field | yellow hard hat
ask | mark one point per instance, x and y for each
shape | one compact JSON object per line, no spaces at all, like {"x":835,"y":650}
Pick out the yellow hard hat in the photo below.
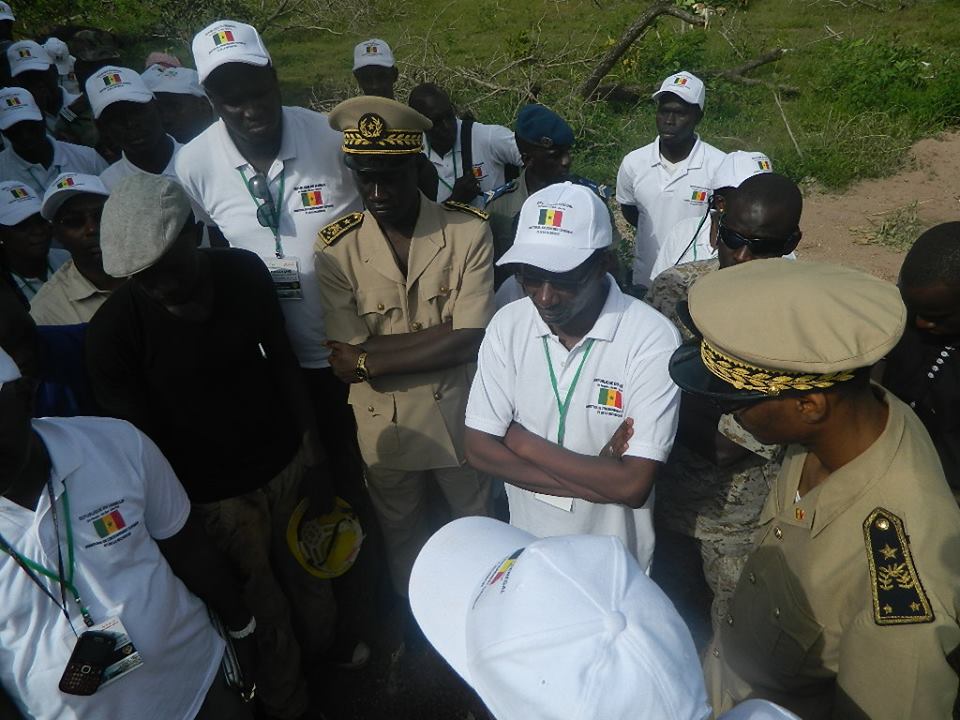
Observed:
{"x":325,"y":546}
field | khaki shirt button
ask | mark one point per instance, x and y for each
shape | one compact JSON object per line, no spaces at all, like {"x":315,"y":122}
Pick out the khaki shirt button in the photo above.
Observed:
{"x":379,"y":306}
{"x":437,"y":396}
{"x":776,"y":612}
{"x":444,"y":289}
{"x":417,"y":326}
{"x":369,"y":408}
{"x":778,"y":533}
{"x":716,"y":652}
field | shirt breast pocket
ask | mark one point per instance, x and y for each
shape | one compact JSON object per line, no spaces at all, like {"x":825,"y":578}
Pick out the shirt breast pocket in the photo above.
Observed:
{"x":774,"y":631}
{"x":380,"y":309}
{"x":437,"y":294}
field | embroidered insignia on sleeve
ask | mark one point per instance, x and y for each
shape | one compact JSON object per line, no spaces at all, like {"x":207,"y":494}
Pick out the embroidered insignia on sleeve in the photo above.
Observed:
{"x":338,"y":228}
{"x":504,"y":189}
{"x":898,"y":596}
{"x":464,"y":207}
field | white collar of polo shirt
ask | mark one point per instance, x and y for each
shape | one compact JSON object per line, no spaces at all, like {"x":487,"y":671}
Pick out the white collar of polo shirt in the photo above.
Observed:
{"x":693,"y":160}
{"x":605,"y":327}
{"x":287,"y":151}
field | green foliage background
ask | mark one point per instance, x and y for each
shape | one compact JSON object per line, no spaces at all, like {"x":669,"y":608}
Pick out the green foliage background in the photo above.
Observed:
{"x":873,"y":77}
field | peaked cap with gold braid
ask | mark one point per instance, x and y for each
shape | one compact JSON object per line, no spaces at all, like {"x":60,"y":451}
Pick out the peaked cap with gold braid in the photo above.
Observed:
{"x":773,"y":326}
{"x":379,"y":126}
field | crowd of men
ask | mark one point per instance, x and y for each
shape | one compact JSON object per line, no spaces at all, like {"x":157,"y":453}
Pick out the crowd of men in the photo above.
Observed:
{"x":253,"y":356}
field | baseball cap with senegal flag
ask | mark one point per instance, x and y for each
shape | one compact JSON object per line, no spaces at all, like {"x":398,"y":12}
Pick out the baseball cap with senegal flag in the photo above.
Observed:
{"x":115,"y":84}
{"x":17,"y":203}
{"x":228,"y":41}
{"x":6,"y":12}
{"x":17,"y":105}
{"x":559,"y":228}
{"x":686,"y":86}
{"x":66,"y":185}
{"x":27,"y":55}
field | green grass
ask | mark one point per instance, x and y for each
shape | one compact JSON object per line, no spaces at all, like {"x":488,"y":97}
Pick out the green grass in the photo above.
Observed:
{"x":869,"y":86}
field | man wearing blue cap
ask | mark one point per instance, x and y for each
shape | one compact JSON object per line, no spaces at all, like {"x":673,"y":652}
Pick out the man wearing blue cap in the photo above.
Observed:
{"x":545,"y":141}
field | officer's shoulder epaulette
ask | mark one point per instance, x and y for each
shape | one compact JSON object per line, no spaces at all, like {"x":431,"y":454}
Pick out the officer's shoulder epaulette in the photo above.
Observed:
{"x":339,"y":227}
{"x":504,"y":189}
{"x":898,"y":595}
{"x":601,"y":191}
{"x":466,"y":208}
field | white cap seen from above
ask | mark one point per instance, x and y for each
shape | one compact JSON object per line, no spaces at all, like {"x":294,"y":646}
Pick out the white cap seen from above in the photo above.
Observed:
{"x":739,"y":165}
{"x":113,"y":84}
{"x":16,"y":105}
{"x":373,"y":52}
{"x":559,"y":228}
{"x":175,"y":80}
{"x":559,"y":628}
{"x":6,"y":12}
{"x":17,"y":203}
{"x":686,"y":86}
{"x":27,"y":55}
{"x":65,"y":186}
{"x":8,"y":368}
{"x":59,"y":55}
{"x":227,"y":41}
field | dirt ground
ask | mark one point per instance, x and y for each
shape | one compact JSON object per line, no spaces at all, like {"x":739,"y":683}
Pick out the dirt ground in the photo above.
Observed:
{"x":830,"y":224}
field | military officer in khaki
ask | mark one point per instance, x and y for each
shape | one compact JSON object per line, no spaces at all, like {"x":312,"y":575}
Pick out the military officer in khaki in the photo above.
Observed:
{"x":407,"y":289}
{"x":848,"y":606}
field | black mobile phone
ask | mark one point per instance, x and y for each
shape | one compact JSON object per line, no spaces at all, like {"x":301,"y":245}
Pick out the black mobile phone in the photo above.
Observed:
{"x":89,"y":659}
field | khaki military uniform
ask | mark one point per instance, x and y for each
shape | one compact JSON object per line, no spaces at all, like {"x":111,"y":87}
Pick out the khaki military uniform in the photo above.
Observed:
{"x":718,"y":506}
{"x":410,"y":427}
{"x":848,"y":608}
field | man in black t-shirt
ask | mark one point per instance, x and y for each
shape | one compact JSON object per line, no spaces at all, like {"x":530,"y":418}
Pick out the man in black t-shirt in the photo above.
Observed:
{"x":923,"y":369}
{"x":193,"y":351}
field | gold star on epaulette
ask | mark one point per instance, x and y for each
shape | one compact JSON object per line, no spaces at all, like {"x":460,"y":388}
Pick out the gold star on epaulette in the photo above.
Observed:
{"x":338,"y":228}
{"x":464,"y":207}
{"x":898,"y":595}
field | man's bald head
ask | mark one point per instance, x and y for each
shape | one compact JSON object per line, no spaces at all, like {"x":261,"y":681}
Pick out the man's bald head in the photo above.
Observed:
{"x":765,"y":209}
{"x":427,"y":94}
{"x":432,"y":102}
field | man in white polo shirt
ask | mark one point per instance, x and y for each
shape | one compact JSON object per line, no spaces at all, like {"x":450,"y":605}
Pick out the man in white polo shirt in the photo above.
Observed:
{"x":270,"y":177}
{"x":95,"y":534}
{"x":467,"y":169}
{"x":668,"y":180}
{"x":31,"y":156}
{"x":572,"y":403}
{"x":127,"y":115}
{"x":374,"y":68}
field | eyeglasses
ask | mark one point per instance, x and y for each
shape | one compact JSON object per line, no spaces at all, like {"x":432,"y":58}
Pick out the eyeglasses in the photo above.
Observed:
{"x":757,"y":246}
{"x":532,"y":279}
{"x":78,"y":219}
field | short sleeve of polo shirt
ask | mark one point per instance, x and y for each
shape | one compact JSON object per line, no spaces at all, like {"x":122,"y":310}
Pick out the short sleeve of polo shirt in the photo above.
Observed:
{"x":651,"y":397}
{"x":625,"y":178}
{"x":491,"y":407}
{"x":166,"y":504}
{"x":474,"y":306}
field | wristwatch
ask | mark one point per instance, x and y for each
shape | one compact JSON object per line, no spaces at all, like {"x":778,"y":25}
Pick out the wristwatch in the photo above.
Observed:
{"x":361,"y":369}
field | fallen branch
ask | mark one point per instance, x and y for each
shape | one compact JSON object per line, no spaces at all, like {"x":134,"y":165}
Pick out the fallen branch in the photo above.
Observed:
{"x":776,"y":98}
{"x":738,"y":74}
{"x":647,"y":17}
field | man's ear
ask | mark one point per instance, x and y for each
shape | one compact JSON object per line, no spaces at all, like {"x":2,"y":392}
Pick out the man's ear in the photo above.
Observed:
{"x":813,"y":408}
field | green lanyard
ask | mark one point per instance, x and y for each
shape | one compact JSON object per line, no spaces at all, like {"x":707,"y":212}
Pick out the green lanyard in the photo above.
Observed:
{"x":66,"y":583}
{"x":564,"y":405}
{"x":275,"y":224}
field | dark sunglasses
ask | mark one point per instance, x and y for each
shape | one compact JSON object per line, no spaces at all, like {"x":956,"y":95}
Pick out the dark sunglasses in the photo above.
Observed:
{"x":79,"y":219}
{"x":267,"y":214}
{"x":532,"y":279}
{"x":758,"y":246}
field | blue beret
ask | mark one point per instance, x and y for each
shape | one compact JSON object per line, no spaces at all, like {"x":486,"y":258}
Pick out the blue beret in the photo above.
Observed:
{"x":541,"y":126}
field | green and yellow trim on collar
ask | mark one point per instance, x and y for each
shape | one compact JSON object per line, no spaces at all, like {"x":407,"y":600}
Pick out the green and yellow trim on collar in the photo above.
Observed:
{"x":744,"y":376}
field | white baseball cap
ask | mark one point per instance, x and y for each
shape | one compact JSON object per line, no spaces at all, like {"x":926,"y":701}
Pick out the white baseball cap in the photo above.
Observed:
{"x":176,"y":80}
{"x":686,"y":86}
{"x":17,"y":202}
{"x":738,"y":166}
{"x":112,"y":84}
{"x":6,"y":12}
{"x":373,"y":52}
{"x":66,"y":185}
{"x":27,"y":55}
{"x":559,"y":628}
{"x":16,"y":105}
{"x":59,"y":55}
{"x":559,"y":228}
{"x":227,"y":41}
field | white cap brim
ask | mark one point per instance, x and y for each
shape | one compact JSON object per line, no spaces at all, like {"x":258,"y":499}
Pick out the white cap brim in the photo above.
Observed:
{"x":8,"y":368}
{"x":17,"y":213}
{"x":28,"y":65}
{"x":448,"y":574}
{"x":546,"y":257}
{"x":6,"y":16}
{"x":53,"y":201}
